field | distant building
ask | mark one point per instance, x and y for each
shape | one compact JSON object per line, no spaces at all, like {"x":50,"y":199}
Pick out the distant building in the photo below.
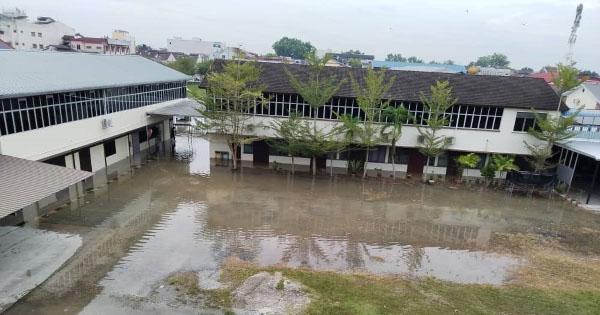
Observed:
{"x":494,"y":71}
{"x":124,"y":36}
{"x":84,"y":44}
{"x":99,"y":45}
{"x":585,"y":96}
{"x":344,"y":58}
{"x":421,"y":67}
{"x":214,"y":50}
{"x":20,"y":33}
{"x":5,"y":45}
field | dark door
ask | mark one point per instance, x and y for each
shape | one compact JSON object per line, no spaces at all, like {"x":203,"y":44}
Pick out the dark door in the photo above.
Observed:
{"x":416,"y":161}
{"x":452,"y":168}
{"x":85,"y":160}
{"x":260,"y":152}
{"x":321,"y":162}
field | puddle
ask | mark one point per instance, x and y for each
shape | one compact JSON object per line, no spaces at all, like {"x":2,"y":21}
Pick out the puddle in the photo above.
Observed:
{"x":182,"y":214}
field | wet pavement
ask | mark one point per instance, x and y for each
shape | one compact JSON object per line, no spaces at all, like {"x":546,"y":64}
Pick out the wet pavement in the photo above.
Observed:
{"x":182,"y":214}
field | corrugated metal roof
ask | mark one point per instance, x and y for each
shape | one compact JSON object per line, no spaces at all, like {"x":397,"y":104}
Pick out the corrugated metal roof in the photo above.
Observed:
{"x":588,"y":148}
{"x":184,"y":107}
{"x":23,"y":182}
{"x":39,"y":72}
{"x":408,"y":66}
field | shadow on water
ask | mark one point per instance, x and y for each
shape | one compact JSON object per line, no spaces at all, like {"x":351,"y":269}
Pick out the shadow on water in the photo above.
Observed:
{"x":183,"y":213}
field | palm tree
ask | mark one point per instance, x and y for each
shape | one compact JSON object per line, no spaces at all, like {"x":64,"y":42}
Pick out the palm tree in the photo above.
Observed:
{"x":504,"y":163}
{"x":394,"y":119}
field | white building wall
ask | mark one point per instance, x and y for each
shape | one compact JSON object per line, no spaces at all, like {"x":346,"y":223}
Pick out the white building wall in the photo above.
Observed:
{"x":97,"y":157}
{"x":582,"y":97}
{"x":504,"y":140}
{"x":19,"y":33}
{"x":122,"y":146}
{"x":197,"y":46}
{"x":50,"y":141}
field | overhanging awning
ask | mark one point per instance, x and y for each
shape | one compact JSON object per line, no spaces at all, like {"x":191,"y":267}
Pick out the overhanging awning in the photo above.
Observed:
{"x":185,"y":107}
{"x":584,"y":147}
{"x":24,"y":182}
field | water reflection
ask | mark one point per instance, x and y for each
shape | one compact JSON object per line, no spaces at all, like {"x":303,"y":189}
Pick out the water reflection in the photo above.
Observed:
{"x":184,"y":214}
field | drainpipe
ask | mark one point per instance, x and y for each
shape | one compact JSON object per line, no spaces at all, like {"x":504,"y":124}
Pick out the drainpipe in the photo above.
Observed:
{"x":587,"y":201}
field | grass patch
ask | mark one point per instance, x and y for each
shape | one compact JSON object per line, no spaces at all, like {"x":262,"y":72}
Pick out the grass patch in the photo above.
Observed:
{"x":280,"y":285}
{"x":552,"y":262}
{"x":339,"y":293}
{"x":186,"y":282}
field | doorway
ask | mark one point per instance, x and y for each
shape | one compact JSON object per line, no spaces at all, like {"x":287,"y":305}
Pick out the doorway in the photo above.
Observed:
{"x":416,"y":162}
{"x":260,"y":152}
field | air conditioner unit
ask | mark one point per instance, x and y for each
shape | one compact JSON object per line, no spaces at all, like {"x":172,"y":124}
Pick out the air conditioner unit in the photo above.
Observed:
{"x":106,"y":123}
{"x":420,"y":139}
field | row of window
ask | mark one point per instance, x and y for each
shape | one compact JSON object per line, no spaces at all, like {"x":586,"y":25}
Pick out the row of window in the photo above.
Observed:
{"x":39,"y":111}
{"x":458,"y":116}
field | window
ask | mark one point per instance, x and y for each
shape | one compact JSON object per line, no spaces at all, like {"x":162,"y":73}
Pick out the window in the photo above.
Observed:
{"x":34,"y":45}
{"x":248,"y":148}
{"x":1,"y":32}
{"x":143,"y":135}
{"x":110,"y":148}
{"x":78,"y":47}
{"x":33,"y":34}
{"x":39,"y":111}
{"x":39,"y":34}
{"x":88,"y":47}
{"x":41,"y":46}
{"x":377,"y":154}
{"x":401,"y":156}
{"x":525,"y":121}
{"x":440,"y":161}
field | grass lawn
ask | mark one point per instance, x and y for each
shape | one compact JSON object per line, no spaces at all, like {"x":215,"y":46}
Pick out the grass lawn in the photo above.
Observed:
{"x":339,"y":293}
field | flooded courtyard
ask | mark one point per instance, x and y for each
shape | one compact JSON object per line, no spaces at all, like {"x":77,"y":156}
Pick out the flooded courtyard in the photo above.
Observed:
{"x":187,"y":214}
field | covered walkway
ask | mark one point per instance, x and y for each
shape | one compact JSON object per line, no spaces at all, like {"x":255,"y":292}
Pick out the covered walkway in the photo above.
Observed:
{"x":579,"y":169}
{"x":24,"y":182}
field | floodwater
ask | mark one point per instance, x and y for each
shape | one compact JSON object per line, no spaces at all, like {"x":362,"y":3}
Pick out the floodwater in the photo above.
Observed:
{"x":182,"y":213}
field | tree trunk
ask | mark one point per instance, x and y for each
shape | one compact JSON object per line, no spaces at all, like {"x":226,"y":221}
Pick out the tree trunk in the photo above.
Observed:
{"x":292,"y":164}
{"x":235,"y":161}
{"x":314,"y":165}
{"x":394,"y":165}
{"x":365,"y":164}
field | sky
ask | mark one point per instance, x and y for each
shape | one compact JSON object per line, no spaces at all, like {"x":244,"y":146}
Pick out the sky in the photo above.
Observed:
{"x":531,"y":33}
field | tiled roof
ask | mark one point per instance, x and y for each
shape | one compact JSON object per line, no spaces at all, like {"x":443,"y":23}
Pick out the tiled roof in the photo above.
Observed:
{"x":5,"y":45}
{"x":23,"y":182}
{"x":514,"y":92}
{"x":39,"y":72}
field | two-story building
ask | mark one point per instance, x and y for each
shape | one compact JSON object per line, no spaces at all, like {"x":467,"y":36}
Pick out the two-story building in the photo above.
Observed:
{"x":83,"y":111}
{"x":492,"y":115}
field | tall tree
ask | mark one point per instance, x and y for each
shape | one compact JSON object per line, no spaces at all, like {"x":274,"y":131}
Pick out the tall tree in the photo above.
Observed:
{"x":435,"y":105}
{"x":186,"y":65}
{"x":394,"y":118}
{"x":549,"y":129}
{"x":289,"y":134}
{"x":566,"y":78}
{"x":292,"y":47}
{"x":395,"y":57}
{"x":203,"y":67}
{"x":589,"y":74}
{"x":370,"y":100}
{"x":494,"y":60}
{"x":413,"y":59}
{"x":230,"y":94}
{"x":316,"y":91}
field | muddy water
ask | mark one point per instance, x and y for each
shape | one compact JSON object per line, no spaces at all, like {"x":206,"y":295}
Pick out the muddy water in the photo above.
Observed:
{"x":181,"y":213}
